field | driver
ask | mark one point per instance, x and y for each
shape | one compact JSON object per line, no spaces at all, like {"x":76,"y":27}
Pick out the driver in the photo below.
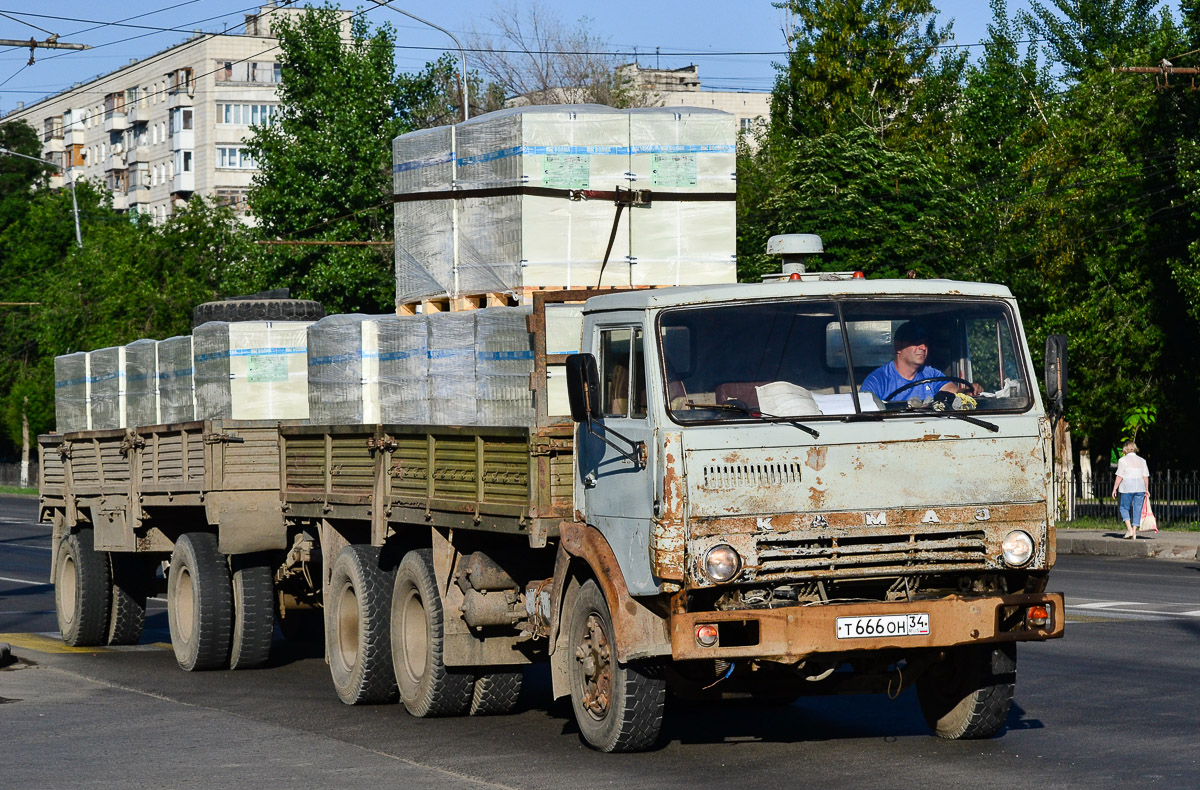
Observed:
{"x":911,"y":342}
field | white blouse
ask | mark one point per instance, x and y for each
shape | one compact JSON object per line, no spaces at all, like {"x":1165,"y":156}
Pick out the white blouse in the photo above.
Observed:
{"x":1133,"y":472}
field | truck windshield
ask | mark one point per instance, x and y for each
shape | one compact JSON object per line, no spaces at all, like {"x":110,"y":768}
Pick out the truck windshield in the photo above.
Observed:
{"x":882,"y":357}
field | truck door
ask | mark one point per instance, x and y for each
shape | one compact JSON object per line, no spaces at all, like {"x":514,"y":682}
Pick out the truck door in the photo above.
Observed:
{"x":618,"y":492}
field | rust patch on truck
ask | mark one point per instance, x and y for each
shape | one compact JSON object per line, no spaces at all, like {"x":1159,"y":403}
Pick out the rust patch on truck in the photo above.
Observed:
{"x":817,"y":497}
{"x":668,"y":539}
{"x":817,"y":457}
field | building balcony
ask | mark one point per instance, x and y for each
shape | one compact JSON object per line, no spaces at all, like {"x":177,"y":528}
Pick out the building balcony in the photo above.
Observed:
{"x":119,"y":201}
{"x":56,"y":181}
{"x":74,"y":136}
{"x":137,"y":115}
{"x":183,"y":182}
{"x":133,"y":155}
{"x":115,"y":161}
{"x":183,"y":140}
{"x":138,"y":192}
{"x":75,"y":174}
{"x":115,"y":122}
{"x":53,"y":145}
{"x":178,"y":99}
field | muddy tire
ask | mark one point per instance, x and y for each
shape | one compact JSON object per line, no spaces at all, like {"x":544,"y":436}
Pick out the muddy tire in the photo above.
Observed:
{"x":199,"y":603}
{"x":427,"y":687}
{"x":496,"y":692}
{"x":968,"y":695}
{"x":357,"y":627}
{"x":253,"y":589}
{"x":82,"y":590}
{"x":131,"y":575}
{"x":618,"y":707}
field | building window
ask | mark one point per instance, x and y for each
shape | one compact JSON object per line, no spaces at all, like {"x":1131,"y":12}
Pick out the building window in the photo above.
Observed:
{"x":181,"y":80}
{"x":234,"y":199}
{"x":181,"y":120}
{"x":183,"y":161}
{"x":246,"y":114}
{"x":52,"y":128}
{"x":234,"y":158}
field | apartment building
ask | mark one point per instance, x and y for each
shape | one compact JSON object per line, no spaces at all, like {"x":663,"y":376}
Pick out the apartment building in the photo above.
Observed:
{"x":168,"y":126}
{"x":681,"y":88}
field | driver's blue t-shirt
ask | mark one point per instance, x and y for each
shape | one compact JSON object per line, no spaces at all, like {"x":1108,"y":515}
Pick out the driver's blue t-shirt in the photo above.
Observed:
{"x":886,"y":380}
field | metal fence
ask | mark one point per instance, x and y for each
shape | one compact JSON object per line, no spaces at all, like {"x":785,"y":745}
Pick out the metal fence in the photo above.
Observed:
{"x":1174,"y":495}
{"x":10,"y":475}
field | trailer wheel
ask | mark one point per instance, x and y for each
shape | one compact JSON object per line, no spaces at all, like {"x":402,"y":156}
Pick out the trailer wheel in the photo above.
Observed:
{"x":82,"y":590}
{"x":357,"y":625}
{"x":968,"y":695}
{"x":253,"y":588}
{"x":496,"y":692}
{"x":258,"y":310}
{"x":427,"y":686}
{"x":130,"y":578}
{"x":199,"y":603}
{"x":618,"y":707}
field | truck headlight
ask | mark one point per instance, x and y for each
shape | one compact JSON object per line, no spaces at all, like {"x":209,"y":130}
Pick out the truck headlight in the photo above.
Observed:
{"x":722,"y":563}
{"x":1017,"y":547}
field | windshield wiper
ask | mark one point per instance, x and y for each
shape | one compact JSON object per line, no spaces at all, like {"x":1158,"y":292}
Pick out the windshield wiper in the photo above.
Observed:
{"x":757,"y":414}
{"x":991,"y":426}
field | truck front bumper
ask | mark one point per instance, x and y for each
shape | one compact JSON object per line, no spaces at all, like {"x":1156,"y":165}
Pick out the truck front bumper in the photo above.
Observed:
{"x":792,"y":633}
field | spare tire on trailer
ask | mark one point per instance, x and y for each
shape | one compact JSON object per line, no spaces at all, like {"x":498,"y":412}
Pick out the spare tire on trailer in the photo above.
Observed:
{"x":267,"y":306}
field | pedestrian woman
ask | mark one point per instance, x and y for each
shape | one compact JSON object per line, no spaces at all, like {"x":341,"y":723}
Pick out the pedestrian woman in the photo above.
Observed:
{"x":1130,"y":488}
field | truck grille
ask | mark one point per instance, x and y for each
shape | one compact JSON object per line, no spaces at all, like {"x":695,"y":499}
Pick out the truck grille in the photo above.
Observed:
{"x":837,"y":554}
{"x":731,"y":476}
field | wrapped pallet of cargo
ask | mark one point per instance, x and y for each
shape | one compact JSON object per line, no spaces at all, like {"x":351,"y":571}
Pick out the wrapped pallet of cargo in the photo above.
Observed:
{"x":251,"y":370}
{"x":532,"y":197}
{"x":404,"y":371}
{"x":71,"y":391}
{"x":176,"y":388}
{"x":451,"y":376}
{"x":107,"y":401}
{"x":503,"y":364}
{"x":141,"y":383}
{"x":343,"y":369}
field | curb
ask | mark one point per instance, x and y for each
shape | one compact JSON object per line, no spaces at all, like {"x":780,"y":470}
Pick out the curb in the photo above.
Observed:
{"x":1107,"y":546}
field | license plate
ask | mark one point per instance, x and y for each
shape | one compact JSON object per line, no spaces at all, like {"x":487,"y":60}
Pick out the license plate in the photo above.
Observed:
{"x":882,"y":625}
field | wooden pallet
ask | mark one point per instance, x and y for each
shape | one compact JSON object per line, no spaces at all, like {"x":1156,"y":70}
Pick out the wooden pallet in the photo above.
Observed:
{"x":523,"y":296}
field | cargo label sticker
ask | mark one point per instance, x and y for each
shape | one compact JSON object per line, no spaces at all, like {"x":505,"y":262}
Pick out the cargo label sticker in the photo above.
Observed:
{"x":266,"y":369}
{"x":673,"y":170}
{"x":566,"y":171}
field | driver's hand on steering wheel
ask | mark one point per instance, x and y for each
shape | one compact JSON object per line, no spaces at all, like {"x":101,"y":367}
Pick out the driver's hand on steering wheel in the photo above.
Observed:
{"x":973,"y":389}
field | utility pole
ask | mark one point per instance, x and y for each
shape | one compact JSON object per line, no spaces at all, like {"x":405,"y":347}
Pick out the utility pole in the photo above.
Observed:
{"x":462,"y":63}
{"x":1164,"y":70}
{"x":51,"y":42}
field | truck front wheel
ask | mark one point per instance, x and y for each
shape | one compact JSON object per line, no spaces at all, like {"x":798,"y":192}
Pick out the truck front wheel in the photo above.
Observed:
{"x":619,"y":707}
{"x":968,"y":694}
{"x":427,"y":686}
{"x":199,"y":603}
{"x":82,"y":590}
{"x":356,"y":627}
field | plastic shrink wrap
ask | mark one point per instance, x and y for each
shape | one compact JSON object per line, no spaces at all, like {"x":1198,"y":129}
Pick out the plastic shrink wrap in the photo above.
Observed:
{"x":251,"y":370}
{"x":176,"y":391}
{"x":404,"y":371}
{"x":451,"y":378}
{"x":141,"y":383}
{"x":564,"y":332}
{"x":71,"y":390}
{"x":343,"y":369}
{"x":502,"y":237}
{"x":107,"y":400}
{"x":503,"y":365}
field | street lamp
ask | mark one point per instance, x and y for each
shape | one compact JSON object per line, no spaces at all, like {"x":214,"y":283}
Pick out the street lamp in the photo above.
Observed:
{"x":462,"y":62}
{"x":74,"y":202}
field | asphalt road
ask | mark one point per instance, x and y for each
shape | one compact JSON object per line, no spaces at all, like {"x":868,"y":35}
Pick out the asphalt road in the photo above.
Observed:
{"x":1115,"y":703}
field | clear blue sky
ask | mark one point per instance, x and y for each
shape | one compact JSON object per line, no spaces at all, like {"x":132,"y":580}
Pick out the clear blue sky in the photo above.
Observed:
{"x":683,"y":32}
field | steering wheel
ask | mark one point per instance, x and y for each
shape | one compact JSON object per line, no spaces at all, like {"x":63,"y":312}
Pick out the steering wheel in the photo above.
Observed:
{"x":911,"y":384}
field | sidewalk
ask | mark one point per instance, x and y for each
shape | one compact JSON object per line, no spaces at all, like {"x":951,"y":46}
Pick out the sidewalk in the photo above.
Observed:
{"x":1158,"y":545}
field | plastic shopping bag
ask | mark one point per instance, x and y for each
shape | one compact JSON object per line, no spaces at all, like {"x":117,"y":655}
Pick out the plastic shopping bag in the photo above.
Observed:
{"x":1149,"y":522}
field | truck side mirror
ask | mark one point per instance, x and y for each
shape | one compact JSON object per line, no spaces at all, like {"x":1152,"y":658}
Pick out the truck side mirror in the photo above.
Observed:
{"x":583,"y":387}
{"x":1056,"y":369}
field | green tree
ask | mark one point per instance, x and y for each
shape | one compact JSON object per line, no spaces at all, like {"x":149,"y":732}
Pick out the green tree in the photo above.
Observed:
{"x":1085,"y":35}
{"x":325,"y":164}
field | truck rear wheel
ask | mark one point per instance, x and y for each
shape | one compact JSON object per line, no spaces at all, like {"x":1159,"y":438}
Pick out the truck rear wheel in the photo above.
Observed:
{"x":427,"y":686}
{"x":357,"y":625}
{"x":253,"y":588}
{"x":130,"y":579}
{"x":82,"y":590}
{"x":199,"y":603}
{"x":618,"y":707}
{"x":968,"y":695}
{"x":496,"y":692}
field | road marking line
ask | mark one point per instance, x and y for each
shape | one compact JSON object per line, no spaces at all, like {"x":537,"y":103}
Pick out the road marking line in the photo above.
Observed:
{"x":1103,"y":604}
{"x":25,"y":581}
{"x":1195,"y":613}
{"x":46,"y":644}
{"x":1145,"y":611}
{"x":33,"y":548}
